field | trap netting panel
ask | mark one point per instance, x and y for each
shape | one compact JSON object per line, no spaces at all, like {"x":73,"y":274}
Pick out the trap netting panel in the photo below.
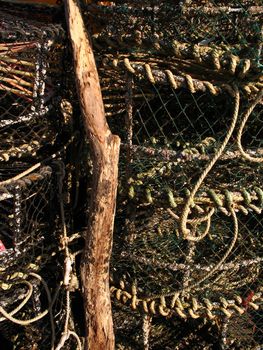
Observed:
{"x":214,"y":269}
{"x":184,"y":80}
{"x":27,"y":241}
{"x":234,"y":25}
{"x":24,"y":213}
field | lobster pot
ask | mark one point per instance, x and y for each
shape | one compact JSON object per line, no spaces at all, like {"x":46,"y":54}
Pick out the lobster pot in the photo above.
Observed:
{"x":31,"y":84}
{"x":26,"y":223}
{"x":30,"y":267}
{"x":183,"y":89}
{"x":215,"y":273}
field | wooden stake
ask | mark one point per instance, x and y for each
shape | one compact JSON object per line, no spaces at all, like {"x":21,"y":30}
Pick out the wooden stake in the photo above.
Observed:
{"x":105,"y":154}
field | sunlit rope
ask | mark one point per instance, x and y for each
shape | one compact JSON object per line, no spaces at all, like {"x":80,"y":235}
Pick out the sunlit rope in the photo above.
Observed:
{"x":37,"y":165}
{"x":195,"y":222}
{"x":67,"y":266}
{"x":8,"y":315}
{"x":22,"y":322}
{"x":24,"y":301}
{"x":230,"y":248}
{"x":65,"y":337}
{"x":184,"y":217}
{"x":186,"y":306}
{"x":215,"y":268}
{"x":241,"y":128}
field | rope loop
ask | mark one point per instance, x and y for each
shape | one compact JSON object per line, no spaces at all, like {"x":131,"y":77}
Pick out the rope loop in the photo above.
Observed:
{"x":246,"y":196}
{"x":190,"y":83}
{"x":245,"y":68}
{"x":246,"y":115}
{"x":184,"y":217}
{"x":229,"y":199}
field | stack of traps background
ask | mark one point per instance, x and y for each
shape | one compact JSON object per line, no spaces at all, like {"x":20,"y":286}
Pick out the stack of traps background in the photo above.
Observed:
{"x":182,"y":87}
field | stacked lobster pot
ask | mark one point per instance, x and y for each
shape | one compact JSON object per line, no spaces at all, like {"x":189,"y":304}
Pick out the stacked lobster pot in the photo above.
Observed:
{"x":182,"y":86}
{"x":33,"y":130}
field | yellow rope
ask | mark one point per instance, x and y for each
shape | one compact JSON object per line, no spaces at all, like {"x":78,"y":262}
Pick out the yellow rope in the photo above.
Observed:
{"x":186,"y":307}
{"x":184,"y":217}
{"x":24,"y":301}
{"x":22,"y":322}
{"x":195,"y":222}
{"x":241,"y":128}
{"x":67,"y":265}
{"x":8,"y":315}
{"x":216,"y":267}
{"x":36,"y":166}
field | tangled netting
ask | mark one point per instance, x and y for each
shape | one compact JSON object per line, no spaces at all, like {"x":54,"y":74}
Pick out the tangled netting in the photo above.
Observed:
{"x":182,"y":86}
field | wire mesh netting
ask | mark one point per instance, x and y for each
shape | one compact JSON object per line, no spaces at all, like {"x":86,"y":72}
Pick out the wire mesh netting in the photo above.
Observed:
{"x":26,"y":227}
{"x":182,"y":86}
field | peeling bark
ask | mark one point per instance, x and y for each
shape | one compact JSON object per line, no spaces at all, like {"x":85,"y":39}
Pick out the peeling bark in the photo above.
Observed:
{"x":105,"y":154}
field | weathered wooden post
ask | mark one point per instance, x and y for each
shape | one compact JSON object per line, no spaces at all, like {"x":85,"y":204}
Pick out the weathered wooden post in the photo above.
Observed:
{"x":105,"y":154}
